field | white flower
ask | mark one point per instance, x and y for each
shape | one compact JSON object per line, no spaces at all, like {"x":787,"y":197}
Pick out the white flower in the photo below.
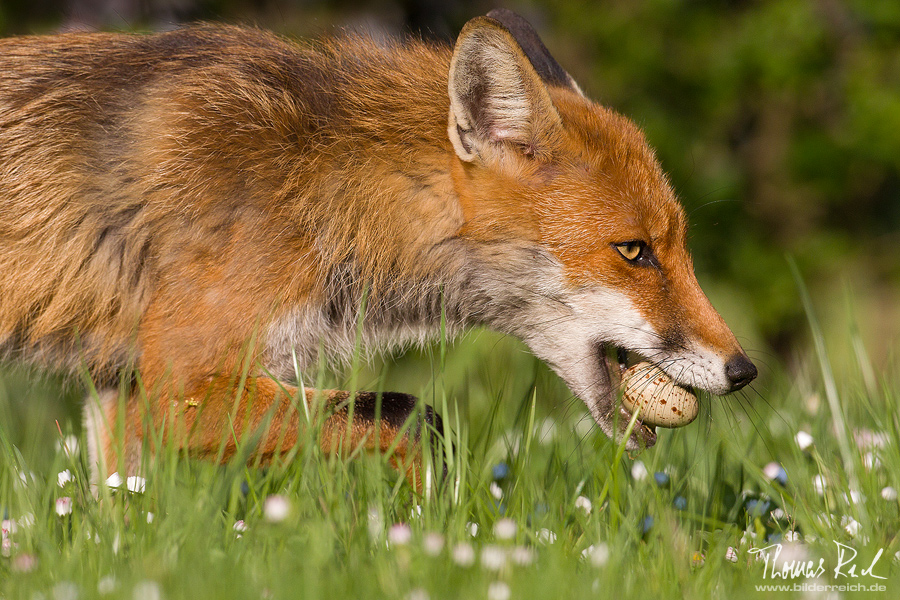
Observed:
{"x":498,"y":591}
{"x":107,"y":585}
{"x":276,"y":508}
{"x":731,"y":554}
{"x":417,"y":594}
{"x":598,"y":554}
{"x":376,"y":522}
{"x":7,"y":527}
{"x":463,"y":554}
{"x":27,"y":477}
{"x":26,"y":520}
{"x":870,"y":461}
{"x":867,"y":439}
{"x":493,"y":558}
{"x":826,"y":520}
{"x":792,"y":536}
{"x":136,"y":484}
{"x":399,"y":534}
{"x":854,"y":497}
{"x":64,"y":506}
{"x":812,"y":405}
{"x":64,"y":477}
{"x":114,"y":481}
{"x":496,"y":491}
{"x":65,"y":590}
{"x":545,"y":536}
{"x":819,"y":484}
{"x":433,"y":543}
{"x":239,"y":526}
{"x":889,"y":494}
{"x":639,"y":471}
{"x":850,"y":525}
{"x":505,"y":529}
{"x":803,"y":439}
{"x":147,"y":590}
{"x":584,"y":504}
{"x":150,"y":517}
{"x":775,"y":472}
{"x":472,"y":528}
{"x":6,"y":544}
{"x":522,"y":556}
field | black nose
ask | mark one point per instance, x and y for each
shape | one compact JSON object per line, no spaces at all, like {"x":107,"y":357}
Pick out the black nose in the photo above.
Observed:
{"x":740,"y":371}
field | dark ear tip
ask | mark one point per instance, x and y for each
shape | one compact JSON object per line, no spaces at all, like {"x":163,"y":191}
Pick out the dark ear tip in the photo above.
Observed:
{"x":512,"y":22}
{"x":530,"y":42}
{"x":501,"y":14}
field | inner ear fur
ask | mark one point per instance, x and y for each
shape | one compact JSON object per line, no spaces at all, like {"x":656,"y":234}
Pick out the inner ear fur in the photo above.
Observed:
{"x":550,"y":71}
{"x":497,"y":99}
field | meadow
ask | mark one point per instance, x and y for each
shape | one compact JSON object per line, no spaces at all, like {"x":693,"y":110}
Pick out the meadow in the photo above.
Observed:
{"x":792,"y":482}
{"x":777,"y":122}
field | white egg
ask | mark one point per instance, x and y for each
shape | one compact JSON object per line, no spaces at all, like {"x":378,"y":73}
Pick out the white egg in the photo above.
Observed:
{"x":647,"y":389}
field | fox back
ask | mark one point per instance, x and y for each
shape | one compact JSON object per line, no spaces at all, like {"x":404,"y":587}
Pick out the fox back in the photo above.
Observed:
{"x":120,"y":153}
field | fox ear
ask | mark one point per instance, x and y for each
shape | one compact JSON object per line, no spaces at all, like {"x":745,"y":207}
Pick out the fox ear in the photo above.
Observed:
{"x":497,"y":97}
{"x":530,"y":42}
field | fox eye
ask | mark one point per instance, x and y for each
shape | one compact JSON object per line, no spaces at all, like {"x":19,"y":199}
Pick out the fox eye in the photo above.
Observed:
{"x":631,"y":251}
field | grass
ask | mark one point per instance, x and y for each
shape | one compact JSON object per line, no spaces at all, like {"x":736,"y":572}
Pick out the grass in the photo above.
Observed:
{"x":537,"y":503}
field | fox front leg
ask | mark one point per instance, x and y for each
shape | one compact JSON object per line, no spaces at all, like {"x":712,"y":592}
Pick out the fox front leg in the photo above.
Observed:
{"x":213,"y":422}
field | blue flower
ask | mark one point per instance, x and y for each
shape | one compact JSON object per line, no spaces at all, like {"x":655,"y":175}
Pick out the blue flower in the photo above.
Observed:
{"x":500,"y":471}
{"x":775,"y":472}
{"x":757,"y":507}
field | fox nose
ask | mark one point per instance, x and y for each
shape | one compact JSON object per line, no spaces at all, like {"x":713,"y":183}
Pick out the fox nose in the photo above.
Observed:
{"x":740,"y":371}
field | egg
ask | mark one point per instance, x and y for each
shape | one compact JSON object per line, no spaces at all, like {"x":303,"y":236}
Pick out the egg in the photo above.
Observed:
{"x":660,"y":402}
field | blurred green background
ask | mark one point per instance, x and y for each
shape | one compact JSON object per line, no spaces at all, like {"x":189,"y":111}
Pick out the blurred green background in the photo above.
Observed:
{"x":777,"y":120}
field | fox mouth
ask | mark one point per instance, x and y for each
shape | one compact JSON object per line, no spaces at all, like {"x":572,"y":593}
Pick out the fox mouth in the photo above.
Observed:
{"x":615,"y":361}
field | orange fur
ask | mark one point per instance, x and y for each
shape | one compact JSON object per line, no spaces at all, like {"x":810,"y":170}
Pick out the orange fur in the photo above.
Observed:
{"x":218,"y":200}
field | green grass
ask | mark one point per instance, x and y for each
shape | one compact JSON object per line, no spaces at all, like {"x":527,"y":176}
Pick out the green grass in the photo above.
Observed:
{"x":356,"y":530}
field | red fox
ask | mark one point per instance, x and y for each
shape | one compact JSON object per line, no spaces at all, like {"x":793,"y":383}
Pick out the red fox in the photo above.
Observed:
{"x":213,"y":206}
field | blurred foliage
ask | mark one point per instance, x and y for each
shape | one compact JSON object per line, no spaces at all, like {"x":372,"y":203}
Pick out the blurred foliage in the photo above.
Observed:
{"x":777,"y":120}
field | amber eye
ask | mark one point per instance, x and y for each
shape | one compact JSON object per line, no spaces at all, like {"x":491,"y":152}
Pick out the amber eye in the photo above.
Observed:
{"x":632,"y":250}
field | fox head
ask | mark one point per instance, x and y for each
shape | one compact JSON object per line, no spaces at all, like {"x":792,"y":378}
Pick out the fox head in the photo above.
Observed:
{"x":583,"y":236}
